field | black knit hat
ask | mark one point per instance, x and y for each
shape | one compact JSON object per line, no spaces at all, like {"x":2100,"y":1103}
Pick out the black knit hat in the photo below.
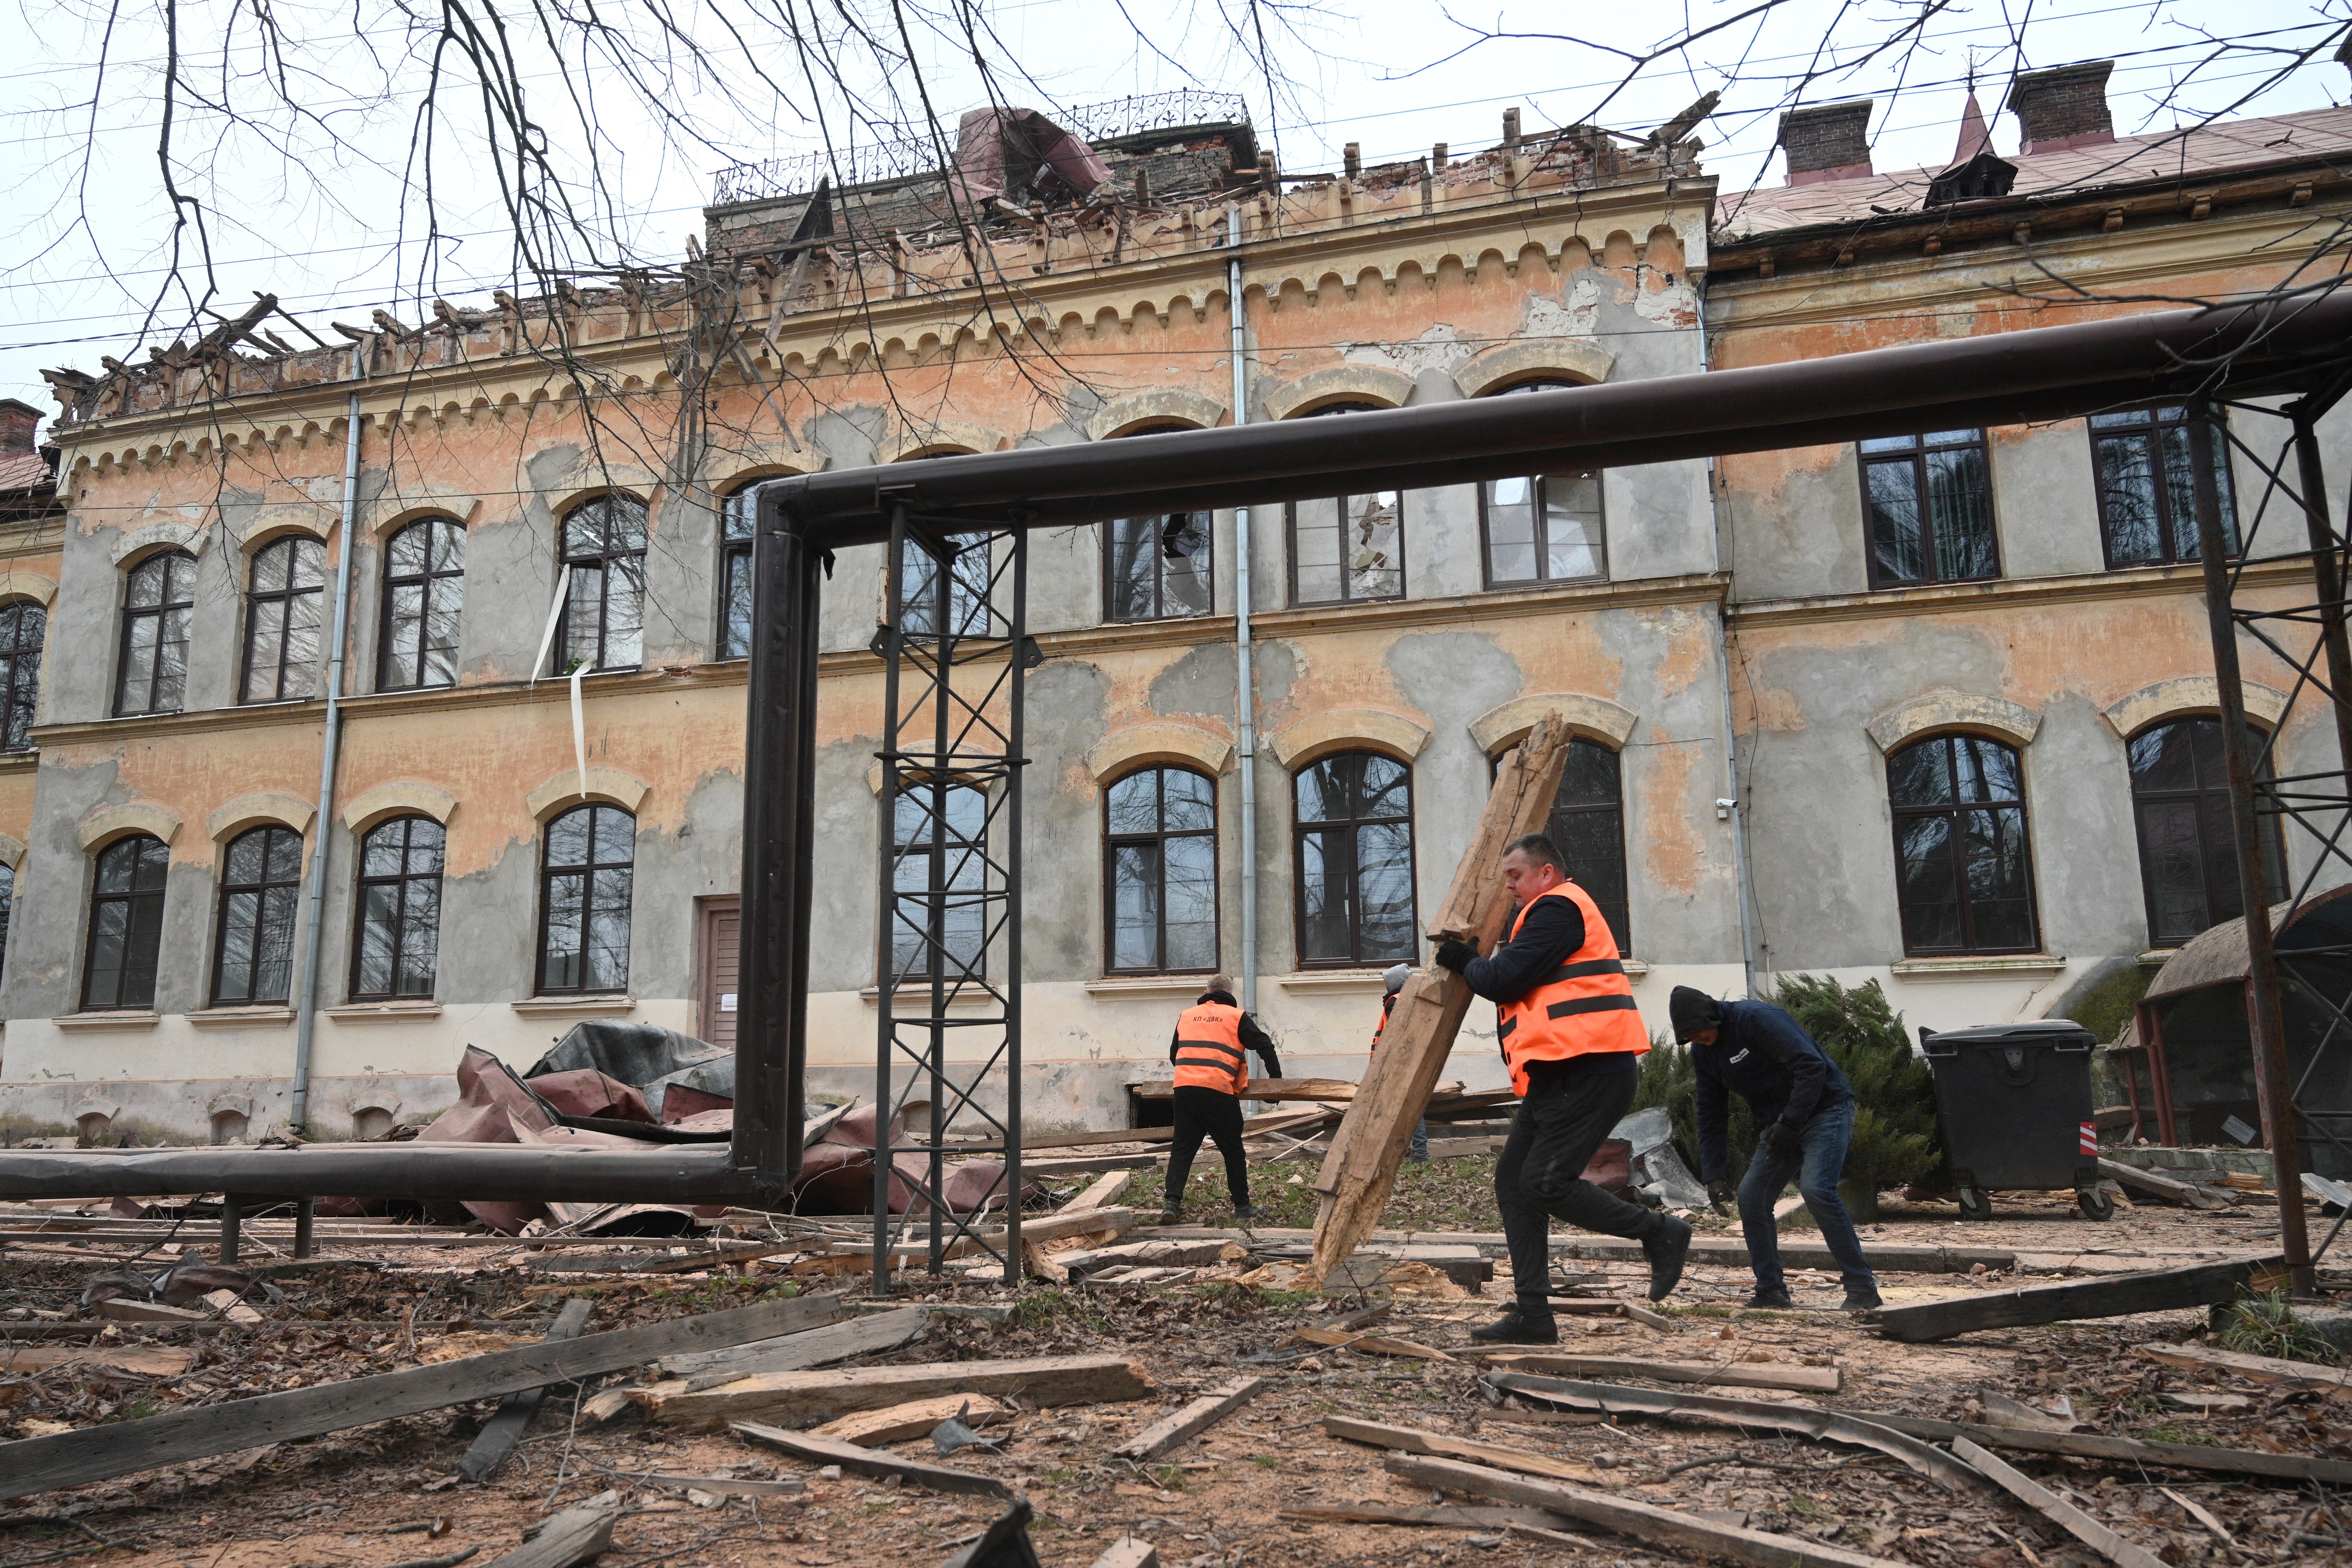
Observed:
{"x":1691,"y":1011}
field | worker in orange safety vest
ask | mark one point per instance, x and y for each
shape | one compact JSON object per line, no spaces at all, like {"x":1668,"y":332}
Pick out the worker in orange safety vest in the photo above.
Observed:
{"x":1211,"y":1073}
{"x":1572,"y":1041}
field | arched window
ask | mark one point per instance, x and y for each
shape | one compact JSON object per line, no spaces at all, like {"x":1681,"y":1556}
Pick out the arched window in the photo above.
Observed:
{"x":7,"y":906}
{"x":739,"y":520}
{"x":586,"y":886}
{"x":1587,"y":828}
{"x":283,"y":622}
{"x":159,"y":595}
{"x":126,"y":924}
{"x":604,"y":608}
{"x":1159,"y":872}
{"x":424,"y":594}
{"x":1964,"y":866}
{"x":1546,"y":528}
{"x":400,"y":910}
{"x":1349,"y":547}
{"x":2188,"y":842}
{"x":1353,"y":861}
{"x":260,"y":887}
{"x":946,"y":846}
{"x":22,"y":626}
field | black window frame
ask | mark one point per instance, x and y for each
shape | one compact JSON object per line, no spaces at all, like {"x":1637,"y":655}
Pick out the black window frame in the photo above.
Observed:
{"x":272,"y":834}
{"x":401,"y":881}
{"x":263,"y":605}
{"x":425,"y":583}
{"x":1290,"y":527}
{"x":588,"y":872}
{"x":1114,"y":841}
{"x":2217,"y":853}
{"x":20,"y":670}
{"x":1161,"y":528}
{"x":147,"y":853}
{"x":175,"y":563}
{"x":1952,"y":809}
{"x":1617,"y":912}
{"x":919,"y":840}
{"x":1881,"y":452}
{"x":739,"y":522}
{"x":1301,"y":827}
{"x":1540,"y":511}
{"x":2121,"y":425}
{"x":611,"y":506}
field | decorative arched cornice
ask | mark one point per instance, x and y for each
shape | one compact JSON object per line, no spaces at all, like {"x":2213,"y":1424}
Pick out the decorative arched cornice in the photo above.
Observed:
{"x":12,"y":852}
{"x":1347,"y":729}
{"x":252,"y":810}
{"x":1563,"y":358}
{"x":1595,"y":718}
{"x":1187,"y":745}
{"x":638,"y":486}
{"x":102,"y":826}
{"x":151,"y":536}
{"x":760,"y":461}
{"x":1992,"y":716}
{"x":2190,"y":697}
{"x":1340,"y":383}
{"x":562,"y":792}
{"x":16,"y":585}
{"x":388,"y":514}
{"x":1166,"y":403}
{"x":936,"y":438}
{"x":268,"y":523}
{"x":403,"y":798}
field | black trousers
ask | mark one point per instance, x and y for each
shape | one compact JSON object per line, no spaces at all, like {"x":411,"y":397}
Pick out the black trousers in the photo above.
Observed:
{"x":1212,"y":1114}
{"x":1540,"y":1175}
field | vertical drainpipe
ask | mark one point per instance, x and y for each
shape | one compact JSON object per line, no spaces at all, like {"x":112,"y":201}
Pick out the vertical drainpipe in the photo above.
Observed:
{"x":1246,"y":707}
{"x":1739,"y":808}
{"x":306,"y":1018}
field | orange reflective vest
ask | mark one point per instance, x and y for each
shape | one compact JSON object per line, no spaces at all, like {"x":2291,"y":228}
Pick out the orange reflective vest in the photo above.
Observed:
{"x":1387,"y":1006}
{"x":1585,"y":1005}
{"x":1209,"y":1048}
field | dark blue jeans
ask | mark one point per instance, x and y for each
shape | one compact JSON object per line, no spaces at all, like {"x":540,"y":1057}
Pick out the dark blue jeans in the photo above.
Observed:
{"x":1823,"y":1160}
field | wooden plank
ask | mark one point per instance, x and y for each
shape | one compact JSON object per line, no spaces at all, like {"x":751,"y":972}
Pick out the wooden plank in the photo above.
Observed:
{"x":1413,"y":1440}
{"x":33,"y":1465}
{"x":1450,"y":1516}
{"x":794,"y":1352}
{"x":691,"y":1263}
{"x":799,"y":1396}
{"x":1368,"y":1147}
{"x":2115,"y":1295}
{"x":2260,"y":1368}
{"x":1661,"y":1527}
{"x":576,"y":1535}
{"x":503,"y":1430}
{"x":915,"y":1418}
{"x":724,"y":1485}
{"x":1127,"y":1552}
{"x":1046,"y":1227}
{"x":2129,"y":1450}
{"x":872,"y":1462}
{"x":1337,"y":1091}
{"x":831,"y":1307}
{"x":2056,"y":1510}
{"x":1190,"y":1421}
{"x":1726,"y":1375}
{"x":1273,"y":1121}
{"x":1371,"y":1344}
{"x":2192,"y":1194}
{"x":1102,"y":1194}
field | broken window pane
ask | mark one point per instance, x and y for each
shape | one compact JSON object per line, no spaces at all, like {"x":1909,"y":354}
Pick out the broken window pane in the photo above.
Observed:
{"x":1156,"y":567}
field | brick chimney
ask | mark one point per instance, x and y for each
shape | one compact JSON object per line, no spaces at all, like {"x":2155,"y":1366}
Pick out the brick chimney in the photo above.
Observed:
{"x":1827,"y":141}
{"x":19,"y":421}
{"x":2065,"y":106}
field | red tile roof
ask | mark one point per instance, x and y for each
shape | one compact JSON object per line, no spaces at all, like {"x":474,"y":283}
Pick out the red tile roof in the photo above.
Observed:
{"x":2226,"y":144}
{"x":25,"y":471}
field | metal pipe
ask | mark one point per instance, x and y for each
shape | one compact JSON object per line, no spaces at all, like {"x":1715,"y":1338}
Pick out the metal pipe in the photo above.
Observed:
{"x":507,"y":1172}
{"x":2328,"y":578}
{"x":1245,"y":698}
{"x":1016,"y":756}
{"x":886,"y":922}
{"x":2266,"y":1026}
{"x":306,"y":1018}
{"x":1738,"y":806}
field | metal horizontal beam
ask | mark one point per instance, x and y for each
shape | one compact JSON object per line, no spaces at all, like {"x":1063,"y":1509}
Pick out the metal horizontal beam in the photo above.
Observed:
{"x":452,"y":1171}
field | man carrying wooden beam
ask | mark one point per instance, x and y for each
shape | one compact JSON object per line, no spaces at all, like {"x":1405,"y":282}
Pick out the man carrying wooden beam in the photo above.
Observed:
{"x":1572,"y":1040}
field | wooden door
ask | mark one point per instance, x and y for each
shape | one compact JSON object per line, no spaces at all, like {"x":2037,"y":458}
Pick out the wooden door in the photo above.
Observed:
{"x":721,"y":939}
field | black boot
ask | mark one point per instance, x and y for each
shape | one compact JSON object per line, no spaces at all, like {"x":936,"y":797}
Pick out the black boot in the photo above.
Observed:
{"x":1667,"y":1247}
{"x":1775,"y":1299}
{"x":1520,"y":1326}
{"x":1861,"y":1299}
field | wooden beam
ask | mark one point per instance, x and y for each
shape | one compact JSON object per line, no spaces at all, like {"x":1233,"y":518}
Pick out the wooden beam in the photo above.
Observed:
{"x":1101,"y":1195}
{"x":2129,"y":1450}
{"x":2191,"y":1194}
{"x":1662,"y":1527}
{"x":2056,"y":1510}
{"x":503,"y":1430}
{"x":33,"y":1465}
{"x":1190,"y":1421}
{"x":2115,"y":1295}
{"x":1369,"y":1146}
{"x":1127,"y":1552}
{"x":799,"y":1396}
{"x":915,"y":1418}
{"x":1447,"y":1516}
{"x":1726,"y":1375}
{"x":878,"y":1463}
{"x":862,"y":1335}
{"x":1413,"y":1440}
{"x":2260,"y":1368}
{"x":578,"y":1534}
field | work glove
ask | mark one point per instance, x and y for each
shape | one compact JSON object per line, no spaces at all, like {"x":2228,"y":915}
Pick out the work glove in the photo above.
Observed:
{"x":1784,"y":1140}
{"x":1457,"y":955}
{"x":1722,"y":1196}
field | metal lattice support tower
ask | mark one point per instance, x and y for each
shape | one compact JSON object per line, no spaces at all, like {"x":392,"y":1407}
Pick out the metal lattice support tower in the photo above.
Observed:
{"x":948,"y":945}
{"x":2314,"y":809}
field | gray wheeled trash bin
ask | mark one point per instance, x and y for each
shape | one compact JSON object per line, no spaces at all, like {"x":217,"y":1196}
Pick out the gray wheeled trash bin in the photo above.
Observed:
{"x":2015,"y":1103}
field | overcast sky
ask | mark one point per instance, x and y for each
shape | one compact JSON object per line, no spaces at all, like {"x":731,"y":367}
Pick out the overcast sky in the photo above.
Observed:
{"x":324,"y":205}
